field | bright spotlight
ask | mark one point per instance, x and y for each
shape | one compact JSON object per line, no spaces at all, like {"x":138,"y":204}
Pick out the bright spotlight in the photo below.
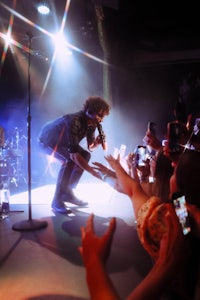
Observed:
{"x":8,"y":39}
{"x":60,"y":44}
{"x":43,"y":8}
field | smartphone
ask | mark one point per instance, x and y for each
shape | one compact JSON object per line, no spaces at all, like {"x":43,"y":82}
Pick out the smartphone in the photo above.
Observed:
{"x":141,"y":152}
{"x":174,"y":131}
{"x":197,"y":126}
{"x":182,"y":213}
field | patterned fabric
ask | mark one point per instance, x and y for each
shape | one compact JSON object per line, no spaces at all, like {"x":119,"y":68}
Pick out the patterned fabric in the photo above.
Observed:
{"x":66,"y":132}
{"x":151,"y":224}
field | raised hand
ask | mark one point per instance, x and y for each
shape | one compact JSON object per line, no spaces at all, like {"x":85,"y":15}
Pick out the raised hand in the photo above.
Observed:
{"x":151,"y":140}
{"x":172,"y":243}
{"x":103,"y":169}
{"x":113,"y":162}
{"x":94,"y":246}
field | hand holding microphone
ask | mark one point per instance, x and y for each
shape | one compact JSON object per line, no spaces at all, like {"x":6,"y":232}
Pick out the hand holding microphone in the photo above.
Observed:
{"x":102,"y":136}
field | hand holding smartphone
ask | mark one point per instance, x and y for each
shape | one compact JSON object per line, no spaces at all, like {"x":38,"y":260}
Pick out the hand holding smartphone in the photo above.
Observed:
{"x":181,"y":212}
{"x":141,"y":152}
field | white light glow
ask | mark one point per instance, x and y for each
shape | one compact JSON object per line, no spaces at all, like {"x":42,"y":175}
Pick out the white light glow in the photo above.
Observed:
{"x":60,"y":44}
{"x":43,"y":9}
{"x":8,"y":39}
{"x":102,"y":200}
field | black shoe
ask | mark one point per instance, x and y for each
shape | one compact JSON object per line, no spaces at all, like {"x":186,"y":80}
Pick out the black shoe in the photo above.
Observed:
{"x":71,"y":198}
{"x":60,"y":208}
{"x":76,"y":201}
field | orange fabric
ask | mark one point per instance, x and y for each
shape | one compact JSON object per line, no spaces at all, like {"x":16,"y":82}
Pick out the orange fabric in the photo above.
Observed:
{"x":151,"y":224}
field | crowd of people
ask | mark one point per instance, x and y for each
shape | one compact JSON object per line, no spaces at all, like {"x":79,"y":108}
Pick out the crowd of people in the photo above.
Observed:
{"x":169,"y":172}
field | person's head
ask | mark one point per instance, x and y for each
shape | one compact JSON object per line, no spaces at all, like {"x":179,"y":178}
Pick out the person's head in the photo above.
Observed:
{"x":177,"y":138}
{"x":193,"y":127}
{"x":96,"y":108}
{"x":187,"y":176}
{"x":162,"y":174}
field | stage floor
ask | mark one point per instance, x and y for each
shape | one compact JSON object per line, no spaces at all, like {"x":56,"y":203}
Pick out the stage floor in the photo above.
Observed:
{"x":44,"y":263}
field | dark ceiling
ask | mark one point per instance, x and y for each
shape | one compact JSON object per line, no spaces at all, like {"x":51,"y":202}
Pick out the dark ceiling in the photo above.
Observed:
{"x":144,"y":30}
{"x":125,"y":33}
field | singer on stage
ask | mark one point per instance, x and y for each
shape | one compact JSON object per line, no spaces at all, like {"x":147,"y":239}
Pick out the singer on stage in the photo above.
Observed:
{"x":61,"y":138}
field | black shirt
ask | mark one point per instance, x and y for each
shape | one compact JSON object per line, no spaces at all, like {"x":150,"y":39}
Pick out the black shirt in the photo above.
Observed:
{"x":67,"y":132}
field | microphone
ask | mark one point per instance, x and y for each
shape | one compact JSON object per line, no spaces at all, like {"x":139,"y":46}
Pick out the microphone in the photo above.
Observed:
{"x":102,"y":136}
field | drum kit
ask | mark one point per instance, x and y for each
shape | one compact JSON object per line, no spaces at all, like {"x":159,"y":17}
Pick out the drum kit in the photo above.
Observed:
{"x":12,"y":158}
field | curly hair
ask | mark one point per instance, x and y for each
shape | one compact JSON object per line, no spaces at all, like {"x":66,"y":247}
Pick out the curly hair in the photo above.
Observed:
{"x":94,"y":104}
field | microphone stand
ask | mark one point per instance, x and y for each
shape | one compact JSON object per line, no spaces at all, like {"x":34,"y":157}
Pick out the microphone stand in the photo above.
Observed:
{"x":29,"y":224}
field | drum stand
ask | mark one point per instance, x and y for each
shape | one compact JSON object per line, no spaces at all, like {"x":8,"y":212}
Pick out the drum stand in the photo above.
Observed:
{"x":29,"y":224}
{"x":17,"y":177}
{"x":5,"y":180}
{"x":5,"y":202}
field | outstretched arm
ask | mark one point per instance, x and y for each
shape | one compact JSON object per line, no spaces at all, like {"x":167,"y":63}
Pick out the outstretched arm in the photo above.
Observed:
{"x":129,"y":185}
{"x":108,"y":176}
{"x":104,"y":170}
{"x":95,"y":251}
{"x":80,"y":161}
